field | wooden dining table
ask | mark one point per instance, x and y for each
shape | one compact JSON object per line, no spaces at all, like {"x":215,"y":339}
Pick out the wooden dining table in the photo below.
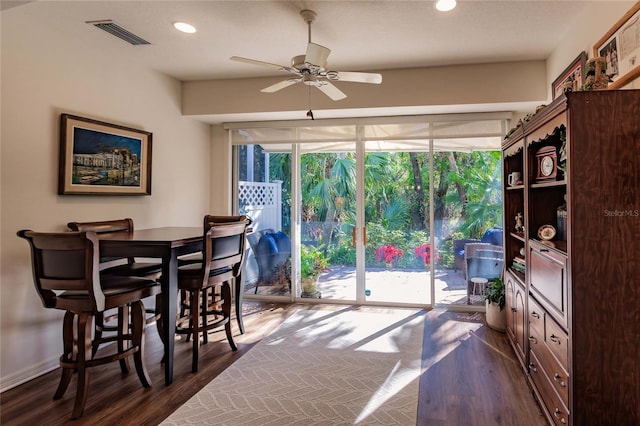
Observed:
{"x":166,"y":244}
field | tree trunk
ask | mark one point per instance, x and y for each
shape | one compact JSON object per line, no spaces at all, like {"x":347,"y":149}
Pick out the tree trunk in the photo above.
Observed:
{"x":417,"y":215}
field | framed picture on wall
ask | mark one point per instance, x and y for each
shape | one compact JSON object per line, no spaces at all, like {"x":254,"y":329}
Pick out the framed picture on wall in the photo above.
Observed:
{"x":620,"y":47}
{"x":99,"y":158}
{"x":572,"y":78}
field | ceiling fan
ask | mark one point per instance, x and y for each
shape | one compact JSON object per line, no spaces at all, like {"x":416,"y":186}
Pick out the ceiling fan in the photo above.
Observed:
{"x":311,"y":68}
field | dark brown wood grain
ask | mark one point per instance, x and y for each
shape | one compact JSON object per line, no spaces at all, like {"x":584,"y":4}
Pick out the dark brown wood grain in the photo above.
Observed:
{"x":598,"y":325}
{"x":471,"y":377}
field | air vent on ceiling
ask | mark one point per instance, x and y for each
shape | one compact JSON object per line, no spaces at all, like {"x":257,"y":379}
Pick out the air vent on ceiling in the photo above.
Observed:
{"x":112,"y":28}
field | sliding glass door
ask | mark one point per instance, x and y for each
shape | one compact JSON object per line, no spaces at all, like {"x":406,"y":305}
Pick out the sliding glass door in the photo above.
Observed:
{"x":367,"y":213}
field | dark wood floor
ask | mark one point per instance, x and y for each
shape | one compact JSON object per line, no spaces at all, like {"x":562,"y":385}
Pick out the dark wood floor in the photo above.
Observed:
{"x":471,"y":377}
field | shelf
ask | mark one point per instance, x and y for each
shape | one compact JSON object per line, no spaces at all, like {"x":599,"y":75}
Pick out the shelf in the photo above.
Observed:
{"x":553,"y":183}
{"x":517,"y":236}
{"x":519,"y":275}
{"x":560,"y":245}
{"x":511,"y":188}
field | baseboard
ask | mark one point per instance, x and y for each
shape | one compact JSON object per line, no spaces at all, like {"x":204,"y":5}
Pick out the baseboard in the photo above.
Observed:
{"x":19,"y":377}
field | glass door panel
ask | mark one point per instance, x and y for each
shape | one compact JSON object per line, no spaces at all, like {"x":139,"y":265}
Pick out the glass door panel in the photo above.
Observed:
{"x":396,"y":214}
{"x":328,"y":217}
{"x":264,"y":194}
{"x":467,"y":206}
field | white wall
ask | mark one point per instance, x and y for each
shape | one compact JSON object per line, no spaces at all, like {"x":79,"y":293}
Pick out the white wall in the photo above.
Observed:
{"x":41,"y":78}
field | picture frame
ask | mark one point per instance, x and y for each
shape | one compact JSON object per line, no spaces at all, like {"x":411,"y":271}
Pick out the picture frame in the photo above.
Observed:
{"x":621,"y":48}
{"x":99,"y":158}
{"x":573,"y":76}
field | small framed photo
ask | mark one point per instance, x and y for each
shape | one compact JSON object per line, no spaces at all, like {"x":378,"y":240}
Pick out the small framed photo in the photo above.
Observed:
{"x":620,"y":47}
{"x":99,"y":158}
{"x":572,"y":78}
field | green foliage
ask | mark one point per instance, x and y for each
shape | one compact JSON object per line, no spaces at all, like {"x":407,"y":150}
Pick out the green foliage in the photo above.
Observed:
{"x":342,"y":254}
{"x":312,"y":261}
{"x":467,"y":199}
{"x":496,"y":293}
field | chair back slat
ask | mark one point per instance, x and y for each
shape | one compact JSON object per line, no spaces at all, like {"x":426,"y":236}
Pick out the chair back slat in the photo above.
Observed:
{"x":65,"y":261}
{"x":102,"y":227}
{"x":124,"y":226}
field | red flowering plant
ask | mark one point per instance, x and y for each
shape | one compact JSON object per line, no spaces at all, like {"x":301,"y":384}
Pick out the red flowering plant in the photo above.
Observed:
{"x":423,"y":252}
{"x":388,"y":253}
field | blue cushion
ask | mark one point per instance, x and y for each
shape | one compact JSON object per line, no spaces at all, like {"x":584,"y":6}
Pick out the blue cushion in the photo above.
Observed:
{"x":493,"y":236}
{"x":284,"y":248}
{"x":267,"y":245}
{"x":282,"y":242}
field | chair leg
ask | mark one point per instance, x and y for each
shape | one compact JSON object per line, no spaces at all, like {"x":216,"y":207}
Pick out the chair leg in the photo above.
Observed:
{"x":138,"y":321}
{"x":84,"y":354}
{"x":226,"y":311}
{"x":99,"y":322}
{"x":193,"y":319}
{"x":67,"y":353}
{"x":238,"y":300}
{"x":203,"y":313}
{"x":159,"y":325}
{"x":123,"y":330}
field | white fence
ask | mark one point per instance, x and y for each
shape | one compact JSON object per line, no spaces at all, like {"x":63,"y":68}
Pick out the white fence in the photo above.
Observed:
{"x":262,"y":203}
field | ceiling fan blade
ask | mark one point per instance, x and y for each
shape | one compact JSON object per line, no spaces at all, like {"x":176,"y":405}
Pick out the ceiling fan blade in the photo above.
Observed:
{"x":280,"y":85}
{"x":317,"y":55}
{"x":261,"y":63}
{"x":332,"y":91}
{"x":356,"y":77}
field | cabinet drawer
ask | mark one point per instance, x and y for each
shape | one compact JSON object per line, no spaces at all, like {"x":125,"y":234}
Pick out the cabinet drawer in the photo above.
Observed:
{"x":555,"y":407}
{"x":555,"y":372}
{"x":558,"y":341}
{"x":536,"y":317}
{"x":548,"y":279}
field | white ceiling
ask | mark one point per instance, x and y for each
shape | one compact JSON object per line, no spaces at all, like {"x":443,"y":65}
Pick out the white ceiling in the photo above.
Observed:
{"x":363,"y":35}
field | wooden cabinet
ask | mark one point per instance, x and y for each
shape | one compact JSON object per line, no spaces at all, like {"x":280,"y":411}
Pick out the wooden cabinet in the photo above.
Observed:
{"x":515,"y":313}
{"x":573,"y":314}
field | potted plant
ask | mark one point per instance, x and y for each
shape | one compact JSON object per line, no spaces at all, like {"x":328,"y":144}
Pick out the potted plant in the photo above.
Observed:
{"x":423,"y":252}
{"x":388,"y":254}
{"x":495,"y":301}
{"x":312,"y":264}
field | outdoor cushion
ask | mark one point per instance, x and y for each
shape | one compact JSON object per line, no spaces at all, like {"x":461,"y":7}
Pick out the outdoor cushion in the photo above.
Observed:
{"x":493,"y":236}
{"x":267,"y":245}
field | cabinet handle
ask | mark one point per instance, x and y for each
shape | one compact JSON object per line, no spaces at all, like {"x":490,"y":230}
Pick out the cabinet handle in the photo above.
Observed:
{"x":535,"y":315}
{"x":533,"y":367}
{"x":544,"y":250}
{"x":513,"y":309}
{"x":533,"y":339}
{"x":555,"y":339}
{"x":558,"y":379}
{"x":556,"y":413}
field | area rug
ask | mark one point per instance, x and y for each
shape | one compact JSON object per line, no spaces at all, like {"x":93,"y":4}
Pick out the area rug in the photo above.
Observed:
{"x":346,"y":367}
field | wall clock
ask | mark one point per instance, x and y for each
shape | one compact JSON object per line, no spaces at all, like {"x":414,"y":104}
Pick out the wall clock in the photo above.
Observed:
{"x":546,"y":163}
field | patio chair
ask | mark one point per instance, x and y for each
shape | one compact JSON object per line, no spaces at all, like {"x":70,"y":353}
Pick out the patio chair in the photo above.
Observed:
{"x":272,"y":251}
{"x":491,"y":236}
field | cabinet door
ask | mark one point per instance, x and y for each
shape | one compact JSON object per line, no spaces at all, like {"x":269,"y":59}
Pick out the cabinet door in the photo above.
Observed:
{"x":519,"y":322}
{"x":509,"y":306}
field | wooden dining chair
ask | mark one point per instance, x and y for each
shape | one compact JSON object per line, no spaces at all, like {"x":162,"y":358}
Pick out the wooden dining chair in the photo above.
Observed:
{"x":66,"y":276}
{"x":197,"y":258}
{"x":223,"y":254}
{"x":121,"y":267}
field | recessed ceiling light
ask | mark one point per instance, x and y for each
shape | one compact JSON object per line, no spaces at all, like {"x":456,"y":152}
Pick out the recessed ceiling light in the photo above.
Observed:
{"x":184,"y":27}
{"x":445,"y":5}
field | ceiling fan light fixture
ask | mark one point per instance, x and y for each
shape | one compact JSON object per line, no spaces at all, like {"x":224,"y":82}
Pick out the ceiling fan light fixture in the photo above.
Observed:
{"x":184,"y":27}
{"x":445,"y":5}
